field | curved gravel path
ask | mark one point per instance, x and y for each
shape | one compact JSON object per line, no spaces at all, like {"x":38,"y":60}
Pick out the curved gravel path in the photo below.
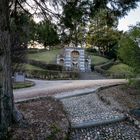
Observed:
{"x":90,"y":118}
{"x":45,"y":88}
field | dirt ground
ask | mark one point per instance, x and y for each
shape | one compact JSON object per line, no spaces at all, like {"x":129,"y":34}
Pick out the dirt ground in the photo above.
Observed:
{"x":121,"y":97}
{"x":45,"y":120}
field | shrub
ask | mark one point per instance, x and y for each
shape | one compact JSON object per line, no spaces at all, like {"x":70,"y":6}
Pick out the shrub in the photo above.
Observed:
{"x":92,"y":67}
{"x":51,"y":75}
{"x":91,"y":50}
{"x":44,"y":65}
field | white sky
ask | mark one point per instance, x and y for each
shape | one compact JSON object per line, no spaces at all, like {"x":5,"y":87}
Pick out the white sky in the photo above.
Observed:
{"x":131,"y":19}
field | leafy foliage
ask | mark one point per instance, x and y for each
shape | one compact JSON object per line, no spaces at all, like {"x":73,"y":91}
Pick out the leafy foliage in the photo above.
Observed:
{"x":21,"y":34}
{"x":129,"y":52}
{"x":103,"y":33}
{"x":73,"y":19}
{"x":47,"y":33}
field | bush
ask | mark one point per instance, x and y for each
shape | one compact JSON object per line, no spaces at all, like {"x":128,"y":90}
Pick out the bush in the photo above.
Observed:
{"x":51,"y":75}
{"x":44,"y":65}
{"x":35,"y":50}
{"x":91,"y":50}
{"x":129,"y":53}
{"x":54,"y":67}
{"x":92,"y":67}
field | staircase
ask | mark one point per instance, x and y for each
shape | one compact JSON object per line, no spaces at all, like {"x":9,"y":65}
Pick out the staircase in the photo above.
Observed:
{"x":91,"y":119}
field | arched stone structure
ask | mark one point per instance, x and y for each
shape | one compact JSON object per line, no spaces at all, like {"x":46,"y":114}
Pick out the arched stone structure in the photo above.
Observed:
{"x":74,"y":58}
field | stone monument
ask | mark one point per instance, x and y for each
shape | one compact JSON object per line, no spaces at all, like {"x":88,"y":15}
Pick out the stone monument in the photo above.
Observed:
{"x":19,"y":77}
{"x":74,"y":59}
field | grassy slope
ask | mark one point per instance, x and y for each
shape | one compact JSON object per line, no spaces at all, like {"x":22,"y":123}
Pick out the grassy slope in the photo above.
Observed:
{"x":120,"y":68}
{"x":96,"y":60}
{"x":47,"y":56}
{"x":31,"y":67}
{"x":50,"y":57}
{"x":25,"y":84}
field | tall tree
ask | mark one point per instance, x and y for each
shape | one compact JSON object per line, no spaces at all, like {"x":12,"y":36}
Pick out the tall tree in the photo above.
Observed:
{"x":47,"y":33}
{"x":7,"y":109}
{"x":74,"y":18}
{"x":129,"y":50}
{"x":79,"y":12}
{"x":21,"y":33}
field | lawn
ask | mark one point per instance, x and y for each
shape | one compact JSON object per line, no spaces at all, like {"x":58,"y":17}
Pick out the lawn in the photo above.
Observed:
{"x":120,"y":69}
{"x":47,"y":56}
{"x":31,"y":67}
{"x":96,"y":60}
{"x":18,"y":85}
{"x":50,"y":57}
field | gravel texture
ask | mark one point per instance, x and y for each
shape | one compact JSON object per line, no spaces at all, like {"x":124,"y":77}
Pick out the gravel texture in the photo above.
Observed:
{"x":92,"y":109}
{"x":117,"y":131}
{"x":88,"y":108}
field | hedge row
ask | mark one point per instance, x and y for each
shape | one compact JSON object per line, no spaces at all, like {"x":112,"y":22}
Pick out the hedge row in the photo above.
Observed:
{"x":44,"y":65}
{"x":34,"y":50}
{"x":51,"y":75}
{"x":119,"y":75}
{"x":103,"y":70}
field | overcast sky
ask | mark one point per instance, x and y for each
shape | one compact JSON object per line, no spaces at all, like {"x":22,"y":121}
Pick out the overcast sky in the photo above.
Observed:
{"x":131,"y":19}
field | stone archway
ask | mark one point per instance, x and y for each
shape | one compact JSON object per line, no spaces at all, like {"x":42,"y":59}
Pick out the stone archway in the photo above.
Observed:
{"x":86,"y":64}
{"x":75,"y":54}
{"x":75,"y":59}
{"x":61,"y":61}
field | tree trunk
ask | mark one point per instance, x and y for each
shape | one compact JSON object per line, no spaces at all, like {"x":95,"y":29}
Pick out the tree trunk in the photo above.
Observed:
{"x":7,"y":109}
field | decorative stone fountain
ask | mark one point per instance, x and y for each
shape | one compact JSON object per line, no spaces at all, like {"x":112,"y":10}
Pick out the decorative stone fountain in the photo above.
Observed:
{"x":74,"y":59}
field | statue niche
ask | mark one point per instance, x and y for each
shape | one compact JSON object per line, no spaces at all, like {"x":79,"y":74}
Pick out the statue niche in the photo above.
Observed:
{"x":75,"y":59}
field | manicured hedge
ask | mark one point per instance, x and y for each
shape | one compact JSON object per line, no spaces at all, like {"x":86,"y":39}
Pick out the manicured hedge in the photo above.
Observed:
{"x":46,"y":66}
{"x":34,"y":50}
{"x":103,"y":70}
{"x":51,"y":75}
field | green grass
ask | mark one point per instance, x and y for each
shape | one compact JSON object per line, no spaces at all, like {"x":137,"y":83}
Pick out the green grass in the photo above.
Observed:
{"x":18,"y":85}
{"x":120,"y":69}
{"x":50,"y":57}
{"x":96,"y":60}
{"x":31,"y":67}
{"x":47,"y":56}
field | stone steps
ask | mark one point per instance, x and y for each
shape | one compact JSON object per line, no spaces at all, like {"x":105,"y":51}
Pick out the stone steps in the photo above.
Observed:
{"x":99,"y":122}
{"x":116,"y":131}
{"x":88,"y":110}
{"x":91,"y":119}
{"x":75,"y":93}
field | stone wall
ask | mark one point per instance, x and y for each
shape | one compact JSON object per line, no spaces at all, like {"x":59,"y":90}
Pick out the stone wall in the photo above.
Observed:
{"x":75,"y":59}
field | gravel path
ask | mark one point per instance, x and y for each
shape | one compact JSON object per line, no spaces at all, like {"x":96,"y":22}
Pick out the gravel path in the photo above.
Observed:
{"x":91,"y":119}
{"x":116,"y":131}
{"x":91,"y":76}
{"x":86,"y":112}
{"x":88,"y":108}
{"x":44,"y":87}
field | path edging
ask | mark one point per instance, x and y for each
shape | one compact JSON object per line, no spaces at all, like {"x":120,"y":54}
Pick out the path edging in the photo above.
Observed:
{"x":98,"y":123}
{"x":66,"y":96}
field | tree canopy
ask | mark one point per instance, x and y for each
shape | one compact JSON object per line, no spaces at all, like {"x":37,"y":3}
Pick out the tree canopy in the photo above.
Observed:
{"x":74,"y":12}
{"x":46,"y":33}
{"x":129,"y":50}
